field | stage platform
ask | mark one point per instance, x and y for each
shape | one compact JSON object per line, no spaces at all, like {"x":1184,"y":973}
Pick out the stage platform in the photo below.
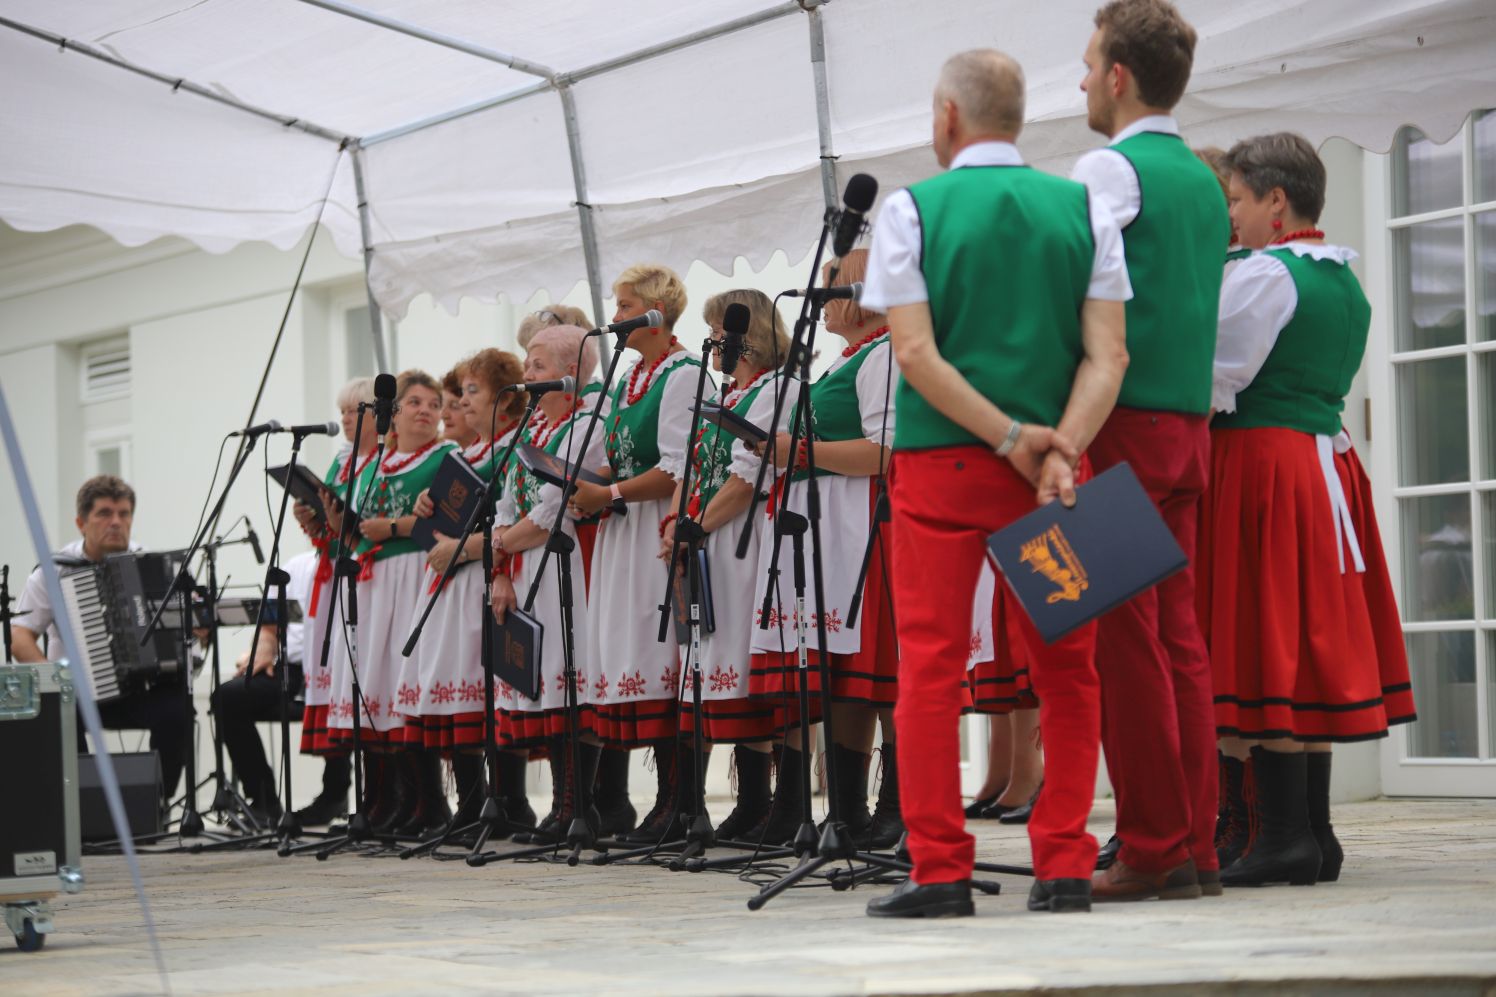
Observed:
{"x":1415,"y":911}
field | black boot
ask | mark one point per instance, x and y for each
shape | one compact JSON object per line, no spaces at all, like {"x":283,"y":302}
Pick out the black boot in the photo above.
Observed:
{"x":887,"y":825}
{"x":517,"y":809}
{"x":786,"y":813}
{"x":1283,"y":847}
{"x":332,"y":802}
{"x":753,"y":794}
{"x":662,"y":814}
{"x":851,"y":790}
{"x":545,"y":831}
{"x":378,"y":794}
{"x":1234,"y":815}
{"x":403,"y":789}
{"x":432,"y":811}
{"x":467,"y":773}
{"x":692,"y":789}
{"x":612,"y":793}
{"x":1331,"y":854}
{"x":587,"y":754}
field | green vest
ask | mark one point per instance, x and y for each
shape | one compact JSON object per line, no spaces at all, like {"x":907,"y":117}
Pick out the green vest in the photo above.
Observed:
{"x":1007,"y":259}
{"x":526,"y":486}
{"x":633,"y":436}
{"x":1171,"y":251}
{"x":835,"y":409}
{"x":395,"y":496}
{"x":1240,"y":253}
{"x":1303,"y":382}
{"x":714,"y":446}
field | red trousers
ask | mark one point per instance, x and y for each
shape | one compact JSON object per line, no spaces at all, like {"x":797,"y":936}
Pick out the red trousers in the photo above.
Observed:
{"x":1158,"y":717}
{"x":945,"y":503}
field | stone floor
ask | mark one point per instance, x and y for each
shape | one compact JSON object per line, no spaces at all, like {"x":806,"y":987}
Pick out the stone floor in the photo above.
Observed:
{"x":1415,"y":910}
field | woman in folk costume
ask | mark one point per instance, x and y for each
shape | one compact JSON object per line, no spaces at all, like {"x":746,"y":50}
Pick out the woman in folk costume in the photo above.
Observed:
{"x":527,"y":509}
{"x":333,"y":800}
{"x":648,"y":418}
{"x":853,"y":419}
{"x":1283,"y":594}
{"x":455,"y":427}
{"x":722,"y":477}
{"x":441,"y":683}
{"x":389,"y":592}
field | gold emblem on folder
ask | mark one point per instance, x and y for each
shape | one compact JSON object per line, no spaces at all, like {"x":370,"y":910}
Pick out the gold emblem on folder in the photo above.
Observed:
{"x":452,"y":504}
{"x":1051,"y":555}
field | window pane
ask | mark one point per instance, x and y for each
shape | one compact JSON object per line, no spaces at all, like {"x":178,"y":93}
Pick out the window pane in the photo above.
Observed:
{"x":1436,"y":569}
{"x":109,"y":461}
{"x":1443,"y":667}
{"x":1430,"y":259}
{"x":1433,"y":423}
{"x":1485,"y":392}
{"x":1485,"y":276}
{"x":1426,"y":177}
{"x":1488,"y":559}
{"x":1485,"y":157}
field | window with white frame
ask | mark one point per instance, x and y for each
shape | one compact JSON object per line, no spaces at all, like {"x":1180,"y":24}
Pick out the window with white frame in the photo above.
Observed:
{"x":1442,"y":224}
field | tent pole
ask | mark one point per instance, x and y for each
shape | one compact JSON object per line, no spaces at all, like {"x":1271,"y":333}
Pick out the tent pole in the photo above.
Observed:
{"x":376,"y":324}
{"x":823,"y":104}
{"x":434,"y":37}
{"x":584,"y":214}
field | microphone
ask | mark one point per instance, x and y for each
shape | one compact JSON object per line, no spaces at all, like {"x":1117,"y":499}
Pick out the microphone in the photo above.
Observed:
{"x":649,"y":320}
{"x":566,"y":385}
{"x":254,"y":541}
{"x":824,"y":294}
{"x":314,"y":429}
{"x":252,"y":431}
{"x":734,"y":328}
{"x":861,"y":191}
{"x":384,"y":403}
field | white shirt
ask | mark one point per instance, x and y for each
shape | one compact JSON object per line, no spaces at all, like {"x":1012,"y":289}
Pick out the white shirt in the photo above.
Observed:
{"x":1258,"y":299}
{"x":1110,"y":175}
{"x":34,"y":602}
{"x":893,"y":271}
{"x":303,"y":571}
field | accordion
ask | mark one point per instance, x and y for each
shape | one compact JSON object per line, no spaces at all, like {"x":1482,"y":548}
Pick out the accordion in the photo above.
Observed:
{"x":110,"y":604}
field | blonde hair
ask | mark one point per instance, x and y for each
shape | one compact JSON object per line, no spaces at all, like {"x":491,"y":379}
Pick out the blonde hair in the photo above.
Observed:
{"x":767,"y":341}
{"x":987,"y":88}
{"x":412,"y":378}
{"x":853,"y":269}
{"x":360,"y":389}
{"x":656,"y":282}
{"x":564,"y":342}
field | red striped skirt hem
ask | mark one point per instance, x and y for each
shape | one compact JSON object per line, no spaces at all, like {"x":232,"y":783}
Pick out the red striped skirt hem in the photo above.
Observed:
{"x":532,"y":728}
{"x":633,"y":725}
{"x":731,"y":721}
{"x":314,"y":732}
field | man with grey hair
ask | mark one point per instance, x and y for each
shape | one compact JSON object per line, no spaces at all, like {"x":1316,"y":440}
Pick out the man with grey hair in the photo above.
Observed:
{"x":1004,"y":288}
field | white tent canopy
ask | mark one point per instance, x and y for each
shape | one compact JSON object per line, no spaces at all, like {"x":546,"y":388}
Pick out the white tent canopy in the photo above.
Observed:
{"x":508,"y":147}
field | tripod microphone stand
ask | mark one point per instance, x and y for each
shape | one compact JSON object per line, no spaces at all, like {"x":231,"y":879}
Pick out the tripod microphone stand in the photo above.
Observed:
{"x":493,"y":814}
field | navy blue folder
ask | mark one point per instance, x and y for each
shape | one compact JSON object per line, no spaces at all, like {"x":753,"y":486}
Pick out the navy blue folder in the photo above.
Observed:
{"x":454,"y":494}
{"x":517,"y":644}
{"x":1068,"y":566}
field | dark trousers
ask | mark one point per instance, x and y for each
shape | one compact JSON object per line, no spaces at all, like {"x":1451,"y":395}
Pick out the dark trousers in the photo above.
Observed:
{"x":164,"y":712}
{"x":238,"y":705}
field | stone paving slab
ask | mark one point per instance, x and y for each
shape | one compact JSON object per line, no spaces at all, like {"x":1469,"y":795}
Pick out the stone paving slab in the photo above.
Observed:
{"x":1415,"y":910}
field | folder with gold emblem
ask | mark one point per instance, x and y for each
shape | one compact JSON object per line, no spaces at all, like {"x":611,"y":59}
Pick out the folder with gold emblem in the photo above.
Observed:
{"x":1068,"y":566}
{"x":455,"y":493}
{"x":516,"y":647}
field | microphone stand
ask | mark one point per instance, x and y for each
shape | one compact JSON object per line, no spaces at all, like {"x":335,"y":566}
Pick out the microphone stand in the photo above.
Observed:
{"x":494,"y":813}
{"x":5,"y":613}
{"x":346,"y":570}
{"x":580,"y":834}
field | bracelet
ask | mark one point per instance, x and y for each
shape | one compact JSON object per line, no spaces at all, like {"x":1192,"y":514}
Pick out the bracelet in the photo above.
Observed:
{"x":664,"y":523}
{"x":1015,"y":428}
{"x":615,"y":493}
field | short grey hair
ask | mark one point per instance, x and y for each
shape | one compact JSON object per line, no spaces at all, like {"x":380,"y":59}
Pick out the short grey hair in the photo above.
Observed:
{"x":568,"y":344}
{"x":987,"y":88}
{"x":360,"y":389}
{"x":1282,"y":159}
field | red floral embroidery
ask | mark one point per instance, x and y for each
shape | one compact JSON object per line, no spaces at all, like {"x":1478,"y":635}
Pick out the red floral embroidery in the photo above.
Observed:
{"x":670,"y":677}
{"x":600,"y":688}
{"x":976,"y":642}
{"x":470,"y":692}
{"x":632,"y":685}
{"x":372,"y":705}
{"x":506,"y":690}
{"x":833,"y":621}
{"x":723,"y":681}
{"x":409,"y":696}
{"x":444,"y":692}
{"x":323,"y":679}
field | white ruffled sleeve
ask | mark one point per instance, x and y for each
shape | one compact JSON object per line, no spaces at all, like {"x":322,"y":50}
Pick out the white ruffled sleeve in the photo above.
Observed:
{"x":745,"y":462}
{"x":1258,"y":299}
{"x":876,"y":381}
{"x":675,"y":415}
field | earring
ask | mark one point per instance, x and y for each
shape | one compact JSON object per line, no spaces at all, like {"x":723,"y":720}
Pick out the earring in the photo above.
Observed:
{"x":1277,"y":224}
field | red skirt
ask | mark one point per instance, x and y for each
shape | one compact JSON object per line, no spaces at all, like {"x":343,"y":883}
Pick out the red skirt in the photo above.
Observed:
{"x":586,"y":540}
{"x":1376,"y":589}
{"x":532,"y":728}
{"x":1001,"y":684}
{"x":314,"y":735}
{"x":446,"y":731}
{"x":1292,"y":647}
{"x":636,"y":724}
{"x":732,"y":721}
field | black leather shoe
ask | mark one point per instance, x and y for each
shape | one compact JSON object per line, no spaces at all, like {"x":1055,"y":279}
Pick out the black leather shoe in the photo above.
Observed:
{"x":1060,"y":896}
{"x":1108,"y":853}
{"x":975,"y":807}
{"x":323,"y":810}
{"x":1018,"y":815}
{"x":909,"y":899}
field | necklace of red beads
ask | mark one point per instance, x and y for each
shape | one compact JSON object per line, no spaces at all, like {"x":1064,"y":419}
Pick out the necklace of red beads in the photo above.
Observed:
{"x":362,"y":463}
{"x":542,"y":431}
{"x":391,"y":465}
{"x":636,"y":391}
{"x":731,"y":398}
{"x":851,"y":351}
{"x":1303,"y":233}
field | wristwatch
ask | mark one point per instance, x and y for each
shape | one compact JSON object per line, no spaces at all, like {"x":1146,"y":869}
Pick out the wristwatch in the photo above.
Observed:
{"x":1009,"y":441}
{"x":394,"y":529}
{"x":613,"y":491}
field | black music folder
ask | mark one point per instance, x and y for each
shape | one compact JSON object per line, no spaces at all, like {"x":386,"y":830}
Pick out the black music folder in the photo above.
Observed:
{"x":730,"y":422}
{"x":517,"y":644}
{"x":1068,"y":566}
{"x":454,"y":494}
{"x":680,"y":599}
{"x":303,"y":485}
{"x":553,"y":470}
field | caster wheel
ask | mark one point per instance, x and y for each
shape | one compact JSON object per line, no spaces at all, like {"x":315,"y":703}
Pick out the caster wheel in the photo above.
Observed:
{"x":30,"y":940}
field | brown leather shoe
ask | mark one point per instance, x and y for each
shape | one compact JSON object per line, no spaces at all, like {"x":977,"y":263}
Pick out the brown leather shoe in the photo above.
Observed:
{"x":1210,"y":882}
{"x":1121,"y":883}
